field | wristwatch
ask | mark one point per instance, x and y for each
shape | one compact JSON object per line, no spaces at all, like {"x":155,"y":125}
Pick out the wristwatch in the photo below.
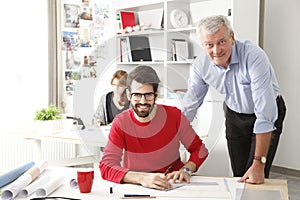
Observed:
{"x":262,"y":159}
{"x":187,"y":170}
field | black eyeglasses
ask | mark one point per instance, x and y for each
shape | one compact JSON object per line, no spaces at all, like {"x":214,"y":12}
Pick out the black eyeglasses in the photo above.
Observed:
{"x":138,"y":96}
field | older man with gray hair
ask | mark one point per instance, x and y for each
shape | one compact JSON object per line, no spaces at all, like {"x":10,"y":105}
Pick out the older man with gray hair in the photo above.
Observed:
{"x":254,"y":109}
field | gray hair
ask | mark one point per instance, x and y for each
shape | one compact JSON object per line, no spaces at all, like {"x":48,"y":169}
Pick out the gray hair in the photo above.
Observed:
{"x":212,"y":24}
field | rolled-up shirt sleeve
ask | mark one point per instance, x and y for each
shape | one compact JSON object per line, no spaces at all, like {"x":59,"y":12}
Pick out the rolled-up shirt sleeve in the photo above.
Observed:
{"x":263,"y":94}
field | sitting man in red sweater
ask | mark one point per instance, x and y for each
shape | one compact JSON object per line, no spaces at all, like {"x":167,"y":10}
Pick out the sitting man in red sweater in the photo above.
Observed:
{"x":147,"y":137}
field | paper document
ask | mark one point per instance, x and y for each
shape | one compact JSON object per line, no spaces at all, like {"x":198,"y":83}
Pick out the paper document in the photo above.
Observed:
{"x":175,"y":186}
{"x":200,"y":187}
{"x":233,"y":185}
{"x":258,"y":194}
{"x":178,"y":185}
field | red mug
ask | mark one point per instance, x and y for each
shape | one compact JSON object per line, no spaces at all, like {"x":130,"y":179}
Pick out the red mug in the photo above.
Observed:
{"x":85,"y":180}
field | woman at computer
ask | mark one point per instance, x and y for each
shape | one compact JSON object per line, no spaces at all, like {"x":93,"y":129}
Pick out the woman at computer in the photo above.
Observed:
{"x":113,"y":102}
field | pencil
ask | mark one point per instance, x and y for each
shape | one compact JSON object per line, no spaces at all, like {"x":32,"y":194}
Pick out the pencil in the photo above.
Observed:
{"x":151,"y":197}
{"x":137,"y":196}
{"x":168,"y":170}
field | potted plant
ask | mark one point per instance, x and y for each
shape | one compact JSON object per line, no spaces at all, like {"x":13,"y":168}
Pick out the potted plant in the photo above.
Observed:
{"x":48,"y":119}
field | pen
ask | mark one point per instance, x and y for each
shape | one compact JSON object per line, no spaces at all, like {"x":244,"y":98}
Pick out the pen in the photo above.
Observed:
{"x":137,"y":196}
{"x":43,"y":198}
{"x":168,"y":170}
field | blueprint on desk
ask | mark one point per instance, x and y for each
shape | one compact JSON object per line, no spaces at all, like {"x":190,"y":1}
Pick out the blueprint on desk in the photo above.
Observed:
{"x":200,"y":187}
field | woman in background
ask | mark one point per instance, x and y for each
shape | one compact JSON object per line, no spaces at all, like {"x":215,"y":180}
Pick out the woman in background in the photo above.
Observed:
{"x":113,"y":102}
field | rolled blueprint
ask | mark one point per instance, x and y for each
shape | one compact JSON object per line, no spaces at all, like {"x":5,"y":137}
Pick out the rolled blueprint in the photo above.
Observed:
{"x":14,"y":174}
{"x":24,"y":180}
{"x":34,"y":186}
{"x":73,"y":184}
{"x":48,"y":188}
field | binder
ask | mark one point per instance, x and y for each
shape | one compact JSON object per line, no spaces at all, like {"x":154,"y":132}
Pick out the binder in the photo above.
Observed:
{"x":125,"y":52}
{"x":127,"y":19}
{"x":180,"y":50}
{"x":140,"y":48}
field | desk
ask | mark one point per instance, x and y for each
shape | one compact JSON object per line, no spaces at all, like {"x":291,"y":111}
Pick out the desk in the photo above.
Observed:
{"x":272,"y":184}
{"x":91,"y":136}
{"x":101,"y":187}
{"x":87,"y":138}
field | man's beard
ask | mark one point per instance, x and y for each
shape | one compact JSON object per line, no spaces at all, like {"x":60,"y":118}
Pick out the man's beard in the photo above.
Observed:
{"x":142,"y":114}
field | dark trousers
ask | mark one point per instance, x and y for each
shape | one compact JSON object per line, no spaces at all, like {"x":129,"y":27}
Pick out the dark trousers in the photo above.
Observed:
{"x":241,"y":139}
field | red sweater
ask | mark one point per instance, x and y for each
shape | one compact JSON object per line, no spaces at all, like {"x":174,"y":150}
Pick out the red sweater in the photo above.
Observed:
{"x":151,"y":146}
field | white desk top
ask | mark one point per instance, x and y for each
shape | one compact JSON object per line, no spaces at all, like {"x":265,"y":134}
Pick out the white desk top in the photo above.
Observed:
{"x":95,"y":136}
{"x":199,"y":189}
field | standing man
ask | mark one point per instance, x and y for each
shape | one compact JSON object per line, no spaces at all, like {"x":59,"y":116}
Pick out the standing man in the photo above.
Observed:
{"x":144,"y":141}
{"x":254,"y":109}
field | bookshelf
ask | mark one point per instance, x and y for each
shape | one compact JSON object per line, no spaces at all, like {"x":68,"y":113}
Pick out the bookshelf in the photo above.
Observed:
{"x":174,"y":72}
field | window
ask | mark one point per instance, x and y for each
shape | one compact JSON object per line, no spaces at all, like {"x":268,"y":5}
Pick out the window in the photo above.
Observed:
{"x":24,"y":62}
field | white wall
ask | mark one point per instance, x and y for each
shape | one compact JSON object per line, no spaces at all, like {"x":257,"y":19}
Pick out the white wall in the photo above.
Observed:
{"x":281,"y":42}
{"x":246,"y":20}
{"x":24,"y":62}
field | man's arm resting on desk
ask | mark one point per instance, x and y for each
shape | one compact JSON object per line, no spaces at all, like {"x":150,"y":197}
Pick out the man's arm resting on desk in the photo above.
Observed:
{"x":255,"y":174}
{"x":157,"y":180}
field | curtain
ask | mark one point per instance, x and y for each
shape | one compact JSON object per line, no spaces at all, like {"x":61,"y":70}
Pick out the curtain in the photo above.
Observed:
{"x":53,"y":70}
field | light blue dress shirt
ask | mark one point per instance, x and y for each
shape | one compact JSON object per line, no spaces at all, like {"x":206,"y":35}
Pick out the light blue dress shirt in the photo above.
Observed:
{"x":249,"y":84}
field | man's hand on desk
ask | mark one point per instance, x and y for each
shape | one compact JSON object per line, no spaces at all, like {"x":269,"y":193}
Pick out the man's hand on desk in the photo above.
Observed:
{"x":151,"y":180}
{"x":157,"y":180}
{"x":179,"y":176}
{"x":255,"y":174}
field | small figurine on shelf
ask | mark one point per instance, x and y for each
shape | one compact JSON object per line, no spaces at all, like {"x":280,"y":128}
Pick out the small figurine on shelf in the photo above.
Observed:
{"x":85,"y":60}
{"x":136,"y":28}
{"x":128,"y":29}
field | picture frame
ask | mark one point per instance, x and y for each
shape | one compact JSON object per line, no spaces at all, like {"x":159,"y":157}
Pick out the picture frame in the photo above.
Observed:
{"x":71,"y":15}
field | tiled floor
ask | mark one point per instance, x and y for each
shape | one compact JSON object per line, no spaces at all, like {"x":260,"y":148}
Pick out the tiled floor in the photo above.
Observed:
{"x":293,"y":184}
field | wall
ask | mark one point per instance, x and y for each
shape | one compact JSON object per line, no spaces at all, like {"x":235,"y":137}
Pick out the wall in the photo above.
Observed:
{"x":24,"y":61}
{"x":281,"y":42}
